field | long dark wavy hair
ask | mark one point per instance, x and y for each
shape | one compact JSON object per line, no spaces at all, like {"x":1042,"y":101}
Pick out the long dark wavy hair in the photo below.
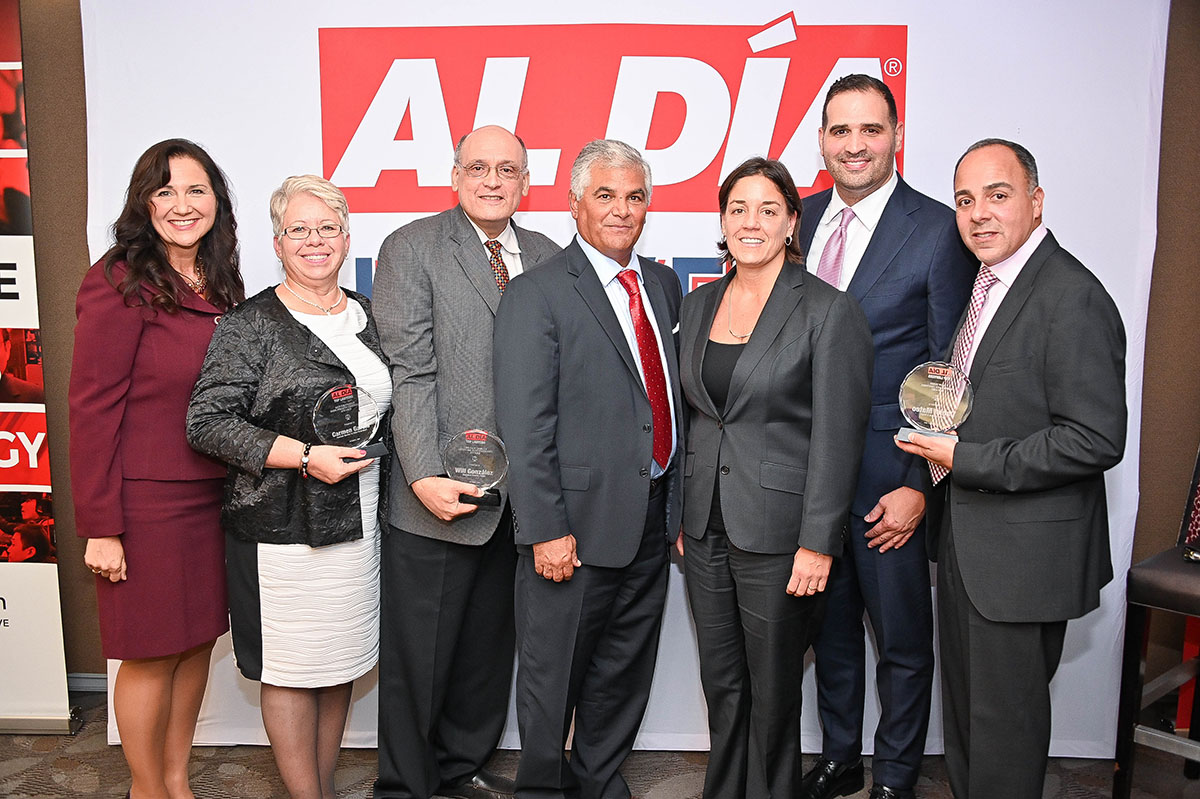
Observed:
{"x":150,"y":278}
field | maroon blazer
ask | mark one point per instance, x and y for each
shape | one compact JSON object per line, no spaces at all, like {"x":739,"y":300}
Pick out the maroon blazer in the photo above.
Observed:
{"x":131,"y":380}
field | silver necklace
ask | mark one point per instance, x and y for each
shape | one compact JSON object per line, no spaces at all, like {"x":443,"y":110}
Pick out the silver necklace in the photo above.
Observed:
{"x":327,"y":311}
{"x":729,"y":318}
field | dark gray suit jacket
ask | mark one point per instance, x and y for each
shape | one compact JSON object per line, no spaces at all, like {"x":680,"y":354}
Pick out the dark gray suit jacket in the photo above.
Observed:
{"x":1025,"y":501}
{"x":789,"y":442}
{"x":573,"y":411}
{"x":434,"y":300}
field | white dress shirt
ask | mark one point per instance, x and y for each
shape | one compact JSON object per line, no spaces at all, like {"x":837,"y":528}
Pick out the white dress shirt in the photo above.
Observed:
{"x":607,"y":269}
{"x":867,"y":212}
{"x":1006,"y":273}
{"x":510,"y":248}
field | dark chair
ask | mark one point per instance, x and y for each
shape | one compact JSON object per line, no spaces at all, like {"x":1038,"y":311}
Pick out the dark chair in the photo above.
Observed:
{"x":1165,"y":582}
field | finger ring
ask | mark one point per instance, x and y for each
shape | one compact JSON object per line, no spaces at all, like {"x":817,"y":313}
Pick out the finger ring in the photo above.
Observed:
{"x":95,"y":571}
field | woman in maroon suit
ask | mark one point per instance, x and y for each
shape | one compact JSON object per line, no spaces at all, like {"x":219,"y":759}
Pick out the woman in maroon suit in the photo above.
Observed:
{"x":147,"y":503}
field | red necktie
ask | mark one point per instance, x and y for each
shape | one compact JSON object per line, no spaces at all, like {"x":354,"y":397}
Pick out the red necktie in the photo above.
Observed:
{"x":652,"y":370}
{"x":497,"y":262}
{"x":966,"y":338}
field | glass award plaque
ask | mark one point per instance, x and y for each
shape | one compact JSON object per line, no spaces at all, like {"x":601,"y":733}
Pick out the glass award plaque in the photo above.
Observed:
{"x":346,"y":416}
{"x":477,"y":457}
{"x":935,"y":399}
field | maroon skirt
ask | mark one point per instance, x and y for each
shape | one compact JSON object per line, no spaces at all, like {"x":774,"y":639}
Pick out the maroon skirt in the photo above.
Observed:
{"x":174,"y":597}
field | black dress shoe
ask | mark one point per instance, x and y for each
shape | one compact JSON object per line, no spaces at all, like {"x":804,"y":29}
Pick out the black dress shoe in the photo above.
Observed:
{"x":484,"y":785}
{"x":883,"y":792}
{"x":830,"y":778}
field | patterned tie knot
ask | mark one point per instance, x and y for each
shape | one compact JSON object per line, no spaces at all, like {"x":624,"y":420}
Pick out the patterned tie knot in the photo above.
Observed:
{"x":493,"y":246}
{"x":985,"y":278}
{"x":847,"y":216}
{"x":629,"y":280}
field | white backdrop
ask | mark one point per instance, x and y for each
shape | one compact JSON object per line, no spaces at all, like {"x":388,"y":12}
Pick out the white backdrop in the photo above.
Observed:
{"x":273,"y":91}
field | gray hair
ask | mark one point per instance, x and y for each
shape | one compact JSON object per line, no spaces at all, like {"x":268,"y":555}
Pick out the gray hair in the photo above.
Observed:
{"x":609,"y":153}
{"x":1024,"y":158}
{"x":458,"y":148}
{"x":318,"y":187}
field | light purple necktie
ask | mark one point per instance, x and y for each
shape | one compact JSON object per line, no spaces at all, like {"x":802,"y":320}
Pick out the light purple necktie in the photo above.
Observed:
{"x":965,"y":341}
{"x":830,"y":267}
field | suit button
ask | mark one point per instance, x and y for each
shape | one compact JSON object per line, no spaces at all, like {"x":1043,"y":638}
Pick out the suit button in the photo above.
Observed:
{"x":720,"y":425}
{"x":645,"y":428}
{"x":644,"y":472}
{"x":724,"y":470}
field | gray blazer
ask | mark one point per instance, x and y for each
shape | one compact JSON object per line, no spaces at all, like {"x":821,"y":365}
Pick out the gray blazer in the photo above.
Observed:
{"x":574,"y":413}
{"x":1026,"y":501}
{"x":434,"y":300}
{"x":789,"y":441}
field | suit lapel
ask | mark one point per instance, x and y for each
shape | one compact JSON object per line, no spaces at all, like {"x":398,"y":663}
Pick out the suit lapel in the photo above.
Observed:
{"x":708,"y":312}
{"x":587,"y":283}
{"x":1014,"y":300}
{"x":814,"y":207}
{"x":472,"y":259}
{"x":662,"y":316}
{"x":894,"y":229}
{"x":785,"y":296}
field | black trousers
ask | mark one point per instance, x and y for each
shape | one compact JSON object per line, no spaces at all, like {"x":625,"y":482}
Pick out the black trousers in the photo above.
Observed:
{"x":587,"y":650}
{"x":995,"y":692}
{"x":893,"y":588}
{"x":752,"y":638}
{"x":446,"y":658}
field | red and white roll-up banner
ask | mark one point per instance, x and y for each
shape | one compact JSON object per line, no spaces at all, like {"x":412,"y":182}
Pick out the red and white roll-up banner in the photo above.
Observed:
{"x":31,"y":637}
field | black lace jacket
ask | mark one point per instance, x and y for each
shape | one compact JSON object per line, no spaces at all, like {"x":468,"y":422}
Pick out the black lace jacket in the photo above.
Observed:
{"x":263,"y":374}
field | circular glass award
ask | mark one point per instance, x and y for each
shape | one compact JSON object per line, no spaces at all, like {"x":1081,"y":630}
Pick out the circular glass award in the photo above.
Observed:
{"x":935,"y":399}
{"x":347,"y":416}
{"x":479,"y":458}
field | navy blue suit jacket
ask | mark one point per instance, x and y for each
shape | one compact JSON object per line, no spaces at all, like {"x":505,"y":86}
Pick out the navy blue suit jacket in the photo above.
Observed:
{"x":913,"y":282}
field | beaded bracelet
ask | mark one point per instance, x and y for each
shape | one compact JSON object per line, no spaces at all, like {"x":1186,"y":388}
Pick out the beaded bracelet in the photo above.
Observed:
{"x":304,"y":460}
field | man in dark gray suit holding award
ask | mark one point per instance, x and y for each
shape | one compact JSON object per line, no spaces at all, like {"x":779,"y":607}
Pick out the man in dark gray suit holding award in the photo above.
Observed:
{"x":446,"y":644}
{"x":587,"y":395}
{"x":1018,"y":505}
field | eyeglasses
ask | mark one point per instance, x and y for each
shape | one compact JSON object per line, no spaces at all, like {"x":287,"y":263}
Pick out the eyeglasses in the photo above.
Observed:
{"x":479,"y":170}
{"x":300,"y":232}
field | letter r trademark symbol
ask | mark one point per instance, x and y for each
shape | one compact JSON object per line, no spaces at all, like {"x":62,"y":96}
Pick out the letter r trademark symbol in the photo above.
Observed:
{"x":893,"y":67}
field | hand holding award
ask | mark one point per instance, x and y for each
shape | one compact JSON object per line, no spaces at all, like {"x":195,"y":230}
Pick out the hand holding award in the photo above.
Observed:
{"x":346,"y":416}
{"x":935,"y":398}
{"x":477,"y":457}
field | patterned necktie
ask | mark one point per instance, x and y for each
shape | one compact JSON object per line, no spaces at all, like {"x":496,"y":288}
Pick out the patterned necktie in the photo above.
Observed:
{"x":965,"y":341}
{"x":652,"y":370}
{"x":497,"y":262}
{"x":830,"y":267}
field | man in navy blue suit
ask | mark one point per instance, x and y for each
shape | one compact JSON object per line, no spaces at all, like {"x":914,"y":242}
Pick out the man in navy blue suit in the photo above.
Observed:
{"x":898,"y":253}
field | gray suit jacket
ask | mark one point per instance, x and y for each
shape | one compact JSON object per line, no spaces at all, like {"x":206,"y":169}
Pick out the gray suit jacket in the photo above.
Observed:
{"x":434,"y":300}
{"x":574,"y":413}
{"x":788,"y":443}
{"x":1025,"y":501}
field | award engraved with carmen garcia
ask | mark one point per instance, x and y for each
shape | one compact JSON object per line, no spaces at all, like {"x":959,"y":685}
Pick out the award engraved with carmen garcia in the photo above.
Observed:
{"x":346,"y":416}
{"x":935,"y":399}
{"x":477,"y":457}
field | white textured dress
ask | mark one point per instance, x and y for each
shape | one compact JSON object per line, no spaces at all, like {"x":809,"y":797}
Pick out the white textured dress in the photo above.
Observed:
{"x":320,"y":605}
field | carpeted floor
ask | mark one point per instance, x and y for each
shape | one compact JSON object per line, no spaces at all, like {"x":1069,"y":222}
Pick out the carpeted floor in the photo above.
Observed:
{"x":85,"y":767}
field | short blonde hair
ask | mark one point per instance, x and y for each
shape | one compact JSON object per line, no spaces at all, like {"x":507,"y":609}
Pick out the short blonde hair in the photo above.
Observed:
{"x":318,"y":187}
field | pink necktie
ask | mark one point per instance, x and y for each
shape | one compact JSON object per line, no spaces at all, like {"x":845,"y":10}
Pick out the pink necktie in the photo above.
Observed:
{"x":965,"y":342}
{"x":497,"y":262}
{"x":652,"y":370}
{"x":830,"y":267}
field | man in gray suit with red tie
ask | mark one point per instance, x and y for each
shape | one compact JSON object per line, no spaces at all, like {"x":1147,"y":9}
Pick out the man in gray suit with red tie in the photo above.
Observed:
{"x":1018,"y":504}
{"x":898,"y":253}
{"x":587,"y":395}
{"x":446,"y":643}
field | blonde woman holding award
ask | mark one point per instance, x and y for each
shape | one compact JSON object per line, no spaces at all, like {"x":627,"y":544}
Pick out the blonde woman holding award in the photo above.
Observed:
{"x":291,"y":397}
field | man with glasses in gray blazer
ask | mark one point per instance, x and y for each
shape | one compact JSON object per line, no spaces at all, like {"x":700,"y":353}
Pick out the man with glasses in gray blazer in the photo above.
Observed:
{"x":446,"y":648}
